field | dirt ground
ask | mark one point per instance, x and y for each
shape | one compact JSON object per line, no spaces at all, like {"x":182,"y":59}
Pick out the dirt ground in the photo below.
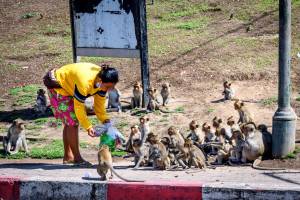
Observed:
{"x":195,"y":62}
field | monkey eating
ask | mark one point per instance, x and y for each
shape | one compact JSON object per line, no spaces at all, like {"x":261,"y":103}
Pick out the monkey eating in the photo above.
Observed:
{"x":15,"y":139}
{"x":165,"y":93}
{"x":136,"y":100}
{"x":40,"y":106}
{"x":105,"y":164}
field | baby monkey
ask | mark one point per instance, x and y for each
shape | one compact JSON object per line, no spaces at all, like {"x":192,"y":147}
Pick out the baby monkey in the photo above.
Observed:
{"x":165,"y":93}
{"x":40,"y":106}
{"x":106,"y":163}
{"x":15,"y":139}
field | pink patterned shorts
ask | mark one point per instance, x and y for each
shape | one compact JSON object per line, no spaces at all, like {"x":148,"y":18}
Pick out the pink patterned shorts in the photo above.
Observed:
{"x":63,"y":108}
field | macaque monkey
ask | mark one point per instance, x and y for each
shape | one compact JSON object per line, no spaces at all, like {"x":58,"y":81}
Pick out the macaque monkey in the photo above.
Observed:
{"x":176,"y":143}
{"x":196,"y":135}
{"x":210,"y":137}
{"x":145,"y":130}
{"x":165,"y":93}
{"x":141,"y":152}
{"x":89,"y":105}
{"x":114,"y":100}
{"x":40,"y":106}
{"x":244,"y":115}
{"x":136,"y":100}
{"x":106,"y":163}
{"x":254,"y":147}
{"x":220,"y":130}
{"x":237,"y":145}
{"x":194,"y":155}
{"x":15,"y":139}
{"x":134,"y":134}
{"x":158,"y":153}
{"x":153,"y":103}
{"x":228,"y":92}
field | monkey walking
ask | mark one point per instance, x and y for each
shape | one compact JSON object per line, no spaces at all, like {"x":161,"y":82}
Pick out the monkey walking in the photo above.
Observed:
{"x":165,"y":93}
{"x":105,"y":164}
{"x":40,"y":106}
{"x":15,"y":139}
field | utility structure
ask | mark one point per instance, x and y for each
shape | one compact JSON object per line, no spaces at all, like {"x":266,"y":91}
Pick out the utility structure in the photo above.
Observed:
{"x":111,"y":29}
{"x":284,"y":119}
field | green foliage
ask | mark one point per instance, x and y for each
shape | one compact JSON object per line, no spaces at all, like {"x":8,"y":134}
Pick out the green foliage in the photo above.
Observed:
{"x":51,"y":151}
{"x":269,"y":101}
{"x":29,"y":15}
{"x":118,"y":153}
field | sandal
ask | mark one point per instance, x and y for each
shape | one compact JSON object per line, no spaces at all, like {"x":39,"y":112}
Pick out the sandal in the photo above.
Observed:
{"x":83,"y":163}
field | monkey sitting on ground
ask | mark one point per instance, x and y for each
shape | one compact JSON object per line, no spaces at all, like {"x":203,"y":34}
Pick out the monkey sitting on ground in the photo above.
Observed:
{"x":194,"y":155}
{"x":141,"y":152}
{"x":228,"y":92}
{"x":158,"y":153}
{"x":139,"y":149}
{"x":244,"y":114}
{"x":40,"y":106}
{"x":153,"y":102}
{"x":134,"y":134}
{"x":176,"y":143}
{"x":196,"y":135}
{"x":210,"y":137}
{"x":114,"y":103}
{"x":136,"y":100}
{"x":254,"y":147}
{"x":165,"y":93}
{"x":106,"y":163}
{"x":15,"y":139}
{"x":237,"y":145}
{"x":220,"y":130}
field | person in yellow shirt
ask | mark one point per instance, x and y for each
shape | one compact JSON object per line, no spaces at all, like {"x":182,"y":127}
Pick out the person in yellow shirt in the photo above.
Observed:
{"x":68,"y":88}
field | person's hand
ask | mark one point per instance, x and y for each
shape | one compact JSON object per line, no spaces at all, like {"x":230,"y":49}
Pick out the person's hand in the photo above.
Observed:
{"x":91,"y":132}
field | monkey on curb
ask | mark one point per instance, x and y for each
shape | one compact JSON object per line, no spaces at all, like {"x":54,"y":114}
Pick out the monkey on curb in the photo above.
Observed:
{"x":136,"y":100}
{"x":158,"y":153}
{"x":165,"y":93}
{"x":40,"y":106}
{"x":106,"y":163}
{"x":15,"y":139}
{"x":254,"y":147}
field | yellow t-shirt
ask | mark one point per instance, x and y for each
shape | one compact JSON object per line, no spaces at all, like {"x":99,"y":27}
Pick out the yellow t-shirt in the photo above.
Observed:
{"x":77,"y":80}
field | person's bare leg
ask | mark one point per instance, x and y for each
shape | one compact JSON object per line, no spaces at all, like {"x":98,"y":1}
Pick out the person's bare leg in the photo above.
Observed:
{"x":68,"y":155}
{"x":73,"y":138}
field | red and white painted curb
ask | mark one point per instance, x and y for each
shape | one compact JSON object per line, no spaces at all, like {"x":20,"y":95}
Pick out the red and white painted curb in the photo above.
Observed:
{"x":12,"y":188}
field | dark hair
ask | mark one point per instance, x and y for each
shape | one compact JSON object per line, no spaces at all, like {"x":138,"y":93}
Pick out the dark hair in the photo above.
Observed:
{"x":108,"y":74}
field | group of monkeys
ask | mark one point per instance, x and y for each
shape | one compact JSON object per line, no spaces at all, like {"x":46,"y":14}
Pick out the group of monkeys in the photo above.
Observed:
{"x":236,"y":144}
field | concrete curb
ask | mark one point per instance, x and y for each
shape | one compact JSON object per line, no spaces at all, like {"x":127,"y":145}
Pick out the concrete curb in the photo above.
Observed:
{"x":12,"y":188}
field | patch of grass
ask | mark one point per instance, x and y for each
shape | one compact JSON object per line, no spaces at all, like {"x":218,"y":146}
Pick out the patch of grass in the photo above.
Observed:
{"x":19,"y":155}
{"x":122,"y":125}
{"x":179,"y":109}
{"x":118,"y":153}
{"x":84,"y":145}
{"x":13,"y":65}
{"x":247,"y":42}
{"x":298,"y":99}
{"x":210,"y":110}
{"x":269,"y":101}
{"x":193,"y":24}
{"x":24,"y":95}
{"x":52,"y":151}
{"x":262,"y":62}
{"x":29,"y":15}
{"x":33,"y":127}
{"x":41,"y":121}
{"x":293,"y":155}
{"x":164,"y":120}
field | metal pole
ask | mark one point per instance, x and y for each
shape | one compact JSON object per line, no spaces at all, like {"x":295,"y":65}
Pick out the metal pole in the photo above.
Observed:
{"x":144,"y":50}
{"x":284,"y":119}
{"x":75,"y":58}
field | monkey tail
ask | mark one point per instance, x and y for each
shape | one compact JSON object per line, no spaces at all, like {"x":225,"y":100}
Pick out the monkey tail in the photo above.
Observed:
{"x":122,"y":178}
{"x":258,"y":161}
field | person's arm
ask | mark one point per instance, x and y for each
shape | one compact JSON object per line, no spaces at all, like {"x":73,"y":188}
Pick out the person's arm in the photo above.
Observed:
{"x":99,"y":107}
